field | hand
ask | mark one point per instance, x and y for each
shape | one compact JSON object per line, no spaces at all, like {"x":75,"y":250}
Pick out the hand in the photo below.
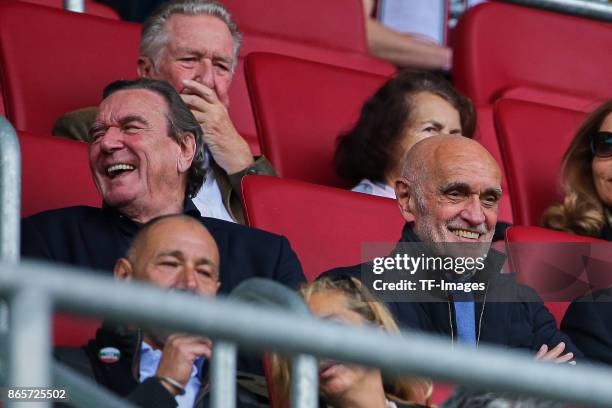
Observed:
{"x":555,"y":355}
{"x":178,"y":356}
{"x":227,"y":147}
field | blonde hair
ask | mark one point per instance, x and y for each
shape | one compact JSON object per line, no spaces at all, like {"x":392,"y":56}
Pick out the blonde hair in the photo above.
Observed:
{"x":361,"y":301}
{"x":581,"y":211}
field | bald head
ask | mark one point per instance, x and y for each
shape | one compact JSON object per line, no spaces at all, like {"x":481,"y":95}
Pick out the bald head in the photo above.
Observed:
{"x":451,"y":185}
{"x":173,"y":251}
{"x":430,"y":153}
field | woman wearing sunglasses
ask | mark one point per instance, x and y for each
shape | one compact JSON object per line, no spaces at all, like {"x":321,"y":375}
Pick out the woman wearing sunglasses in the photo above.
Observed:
{"x":587,"y":180}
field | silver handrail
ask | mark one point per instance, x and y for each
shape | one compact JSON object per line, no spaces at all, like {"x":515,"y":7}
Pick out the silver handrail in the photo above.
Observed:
{"x":77,"y":6}
{"x":304,"y":368}
{"x":83,"y":392}
{"x":10,"y":192}
{"x":258,"y":329}
{"x":583,"y":8}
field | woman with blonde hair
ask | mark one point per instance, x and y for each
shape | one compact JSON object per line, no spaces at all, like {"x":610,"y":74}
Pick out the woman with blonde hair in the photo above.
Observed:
{"x":587,"y":180}
{"x":346,"y":300}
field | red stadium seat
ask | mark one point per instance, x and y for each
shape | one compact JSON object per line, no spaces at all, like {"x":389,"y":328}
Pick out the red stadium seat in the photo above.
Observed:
{"x":337,"y":24}
{"x":73,"y":331}
{"x":55,"y":174}
{"x":59,"y":61}
{"x":91,"y":7}
{"x":331,"y":32}
{"x":240,"y":108}
{"x":298,"y":120}
{"x":538,"y":237}
{"x":533,"y":54}
{"x":533,"y":139}
{"x":326,"y":226}
{"x":487,"y":136}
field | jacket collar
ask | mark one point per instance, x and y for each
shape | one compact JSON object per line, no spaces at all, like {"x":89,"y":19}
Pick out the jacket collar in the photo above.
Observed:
{"x":494,"y":260}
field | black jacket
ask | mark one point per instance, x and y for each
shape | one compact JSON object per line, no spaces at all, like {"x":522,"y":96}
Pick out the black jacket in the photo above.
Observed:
{"x":588,"y":321}
{"x":96,"y":238}
{"x":523,"y":323}
{"x":121,"y":377}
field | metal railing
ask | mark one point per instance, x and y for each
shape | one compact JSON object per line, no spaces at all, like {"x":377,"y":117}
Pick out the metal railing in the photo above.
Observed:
{"x":10,"y":192}
{"x":77,"y":6}
{"x":583,"y":8}
{"x":44,"y":286}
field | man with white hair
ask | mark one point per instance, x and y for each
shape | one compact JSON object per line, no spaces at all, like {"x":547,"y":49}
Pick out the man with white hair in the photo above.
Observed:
{"x":194,"y":44}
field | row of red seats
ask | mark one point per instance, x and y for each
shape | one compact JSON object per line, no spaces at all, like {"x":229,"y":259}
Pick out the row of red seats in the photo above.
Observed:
{"x":298,"y":139}
{"x":80,"y":54}
{"x":291,"y":135}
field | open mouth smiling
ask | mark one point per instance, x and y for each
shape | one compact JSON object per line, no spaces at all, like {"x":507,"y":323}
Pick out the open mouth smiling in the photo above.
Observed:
{"x":120,"y":168}
{"x":466,"y":234}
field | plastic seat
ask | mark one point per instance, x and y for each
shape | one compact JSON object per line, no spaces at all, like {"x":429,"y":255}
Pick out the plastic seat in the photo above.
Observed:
{"x":487,"y":136}
{"x":330,"y":32}
{"x":240,"y":108}
{"x":532,"y":54}
{"x":326,"y":226}
{"x":299,"y":119}
{"x":552,"y":263}
{"x":337,"y":24}
{"x":59,"y":61}
{"x":533,"y":139}
{"x":55,"y":174}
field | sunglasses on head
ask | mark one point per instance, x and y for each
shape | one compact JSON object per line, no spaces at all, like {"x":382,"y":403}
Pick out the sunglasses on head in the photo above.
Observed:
{"x":601,"y":144}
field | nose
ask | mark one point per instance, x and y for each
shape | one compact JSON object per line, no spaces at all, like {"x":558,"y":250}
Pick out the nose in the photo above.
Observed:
{"x":188,"y":278}
{"x":473,"y":212}
{"x":112,"y":140}
{"x":205,"y":74}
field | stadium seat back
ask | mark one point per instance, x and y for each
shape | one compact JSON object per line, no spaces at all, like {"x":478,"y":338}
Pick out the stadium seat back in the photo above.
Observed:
{"x":502,"y":46}
{"x":551,"y":262}
{"x":299,"y":118}
{"x":326,"y":226}
{"x":487,"y":136}
{"x":533,"y":139}
{"x":55,"y":174}
{"x":59,"y":61}
{"x":73,"y":331}
{"x":335,"y":24}
{"x":240,"y":107}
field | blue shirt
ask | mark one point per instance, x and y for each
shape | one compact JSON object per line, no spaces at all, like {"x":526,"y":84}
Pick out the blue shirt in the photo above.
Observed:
{"x":149,"y":360}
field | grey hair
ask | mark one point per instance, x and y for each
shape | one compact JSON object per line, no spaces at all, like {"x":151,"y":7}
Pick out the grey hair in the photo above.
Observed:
{"x":154,"y":36}
{"x":415,"y":170}
{"x":180,"y":122}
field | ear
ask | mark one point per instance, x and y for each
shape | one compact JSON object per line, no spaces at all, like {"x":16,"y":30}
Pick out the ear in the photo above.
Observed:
{"x":123,"y":270}
{"x":187,"y":152}
{"x":145,"y":67}
{"x":405,"y":198}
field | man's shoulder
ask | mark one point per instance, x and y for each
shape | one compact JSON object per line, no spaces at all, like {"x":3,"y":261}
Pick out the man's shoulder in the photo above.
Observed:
{"x":75,"y":124}
{"x":239,"y":231}
{"x":61,"y":216}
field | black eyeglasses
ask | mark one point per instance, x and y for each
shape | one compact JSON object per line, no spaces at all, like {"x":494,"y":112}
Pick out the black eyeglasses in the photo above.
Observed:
{"x":601,"y":144}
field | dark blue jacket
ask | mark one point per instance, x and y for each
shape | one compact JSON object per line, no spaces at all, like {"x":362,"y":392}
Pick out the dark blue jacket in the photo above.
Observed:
{"x":523,"y":323}
{"x":96,"y":238}
{"x":588,"y":321}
